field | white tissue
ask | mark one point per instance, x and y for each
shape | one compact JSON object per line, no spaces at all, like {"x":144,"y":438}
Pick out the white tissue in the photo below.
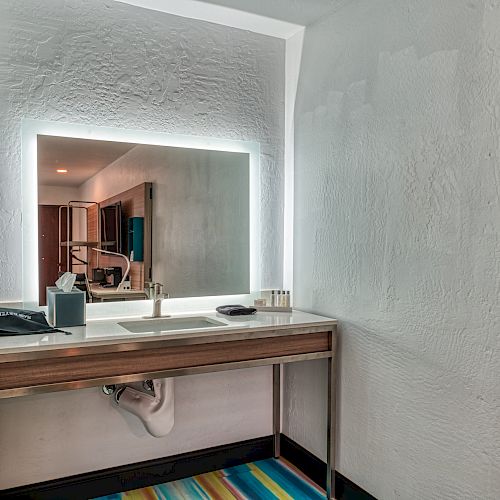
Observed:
{"x":66,"y":282}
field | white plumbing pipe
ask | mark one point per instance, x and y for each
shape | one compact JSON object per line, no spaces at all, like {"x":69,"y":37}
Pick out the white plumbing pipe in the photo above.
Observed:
{"x":156,"y":412}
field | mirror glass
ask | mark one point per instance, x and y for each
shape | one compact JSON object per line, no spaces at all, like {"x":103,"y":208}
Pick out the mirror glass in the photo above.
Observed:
{"x":121,"y":215}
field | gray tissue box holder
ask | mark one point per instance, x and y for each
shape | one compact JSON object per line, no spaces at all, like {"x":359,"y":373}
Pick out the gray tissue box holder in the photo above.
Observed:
{"x":65,"y":308}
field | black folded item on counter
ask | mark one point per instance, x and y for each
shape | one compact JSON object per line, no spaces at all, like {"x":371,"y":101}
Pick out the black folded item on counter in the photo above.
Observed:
{"x":23,"y":322}
{"x":236,"y":310}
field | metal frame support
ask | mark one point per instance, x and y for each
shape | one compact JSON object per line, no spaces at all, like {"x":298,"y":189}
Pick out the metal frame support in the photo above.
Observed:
{"x":276,"y":409}
{"x":331,"y":419}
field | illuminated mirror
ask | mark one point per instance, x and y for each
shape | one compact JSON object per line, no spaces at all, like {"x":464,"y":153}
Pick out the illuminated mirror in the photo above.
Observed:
{"x":122,"y":214}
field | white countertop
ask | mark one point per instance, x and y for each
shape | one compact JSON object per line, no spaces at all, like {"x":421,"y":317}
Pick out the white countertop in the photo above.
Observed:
{"x":108,"y":331}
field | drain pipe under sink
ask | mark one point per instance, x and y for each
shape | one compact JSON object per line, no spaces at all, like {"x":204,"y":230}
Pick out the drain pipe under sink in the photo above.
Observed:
{"x":155,"y":411}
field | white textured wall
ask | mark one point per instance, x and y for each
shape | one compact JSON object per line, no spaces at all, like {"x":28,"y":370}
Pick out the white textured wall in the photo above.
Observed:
{"x":60,"y":434}
{"x":397,"y":234}
{"x":201,"y":223}
{"x":111,"y":64}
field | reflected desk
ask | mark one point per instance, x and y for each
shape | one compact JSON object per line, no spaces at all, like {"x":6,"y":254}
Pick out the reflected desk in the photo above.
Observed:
{"x":100,"y":294}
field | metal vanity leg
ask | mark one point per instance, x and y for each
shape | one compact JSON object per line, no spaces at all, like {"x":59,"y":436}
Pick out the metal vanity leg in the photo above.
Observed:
{"x":331,"y":420}
{"x":276,"y":409}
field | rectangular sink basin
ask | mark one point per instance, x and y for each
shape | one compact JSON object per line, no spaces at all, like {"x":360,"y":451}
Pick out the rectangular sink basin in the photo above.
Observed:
{"x":167,"y":324}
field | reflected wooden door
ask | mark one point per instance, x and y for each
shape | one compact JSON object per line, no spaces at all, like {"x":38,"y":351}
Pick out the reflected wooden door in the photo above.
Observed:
{"x":48,"y":247}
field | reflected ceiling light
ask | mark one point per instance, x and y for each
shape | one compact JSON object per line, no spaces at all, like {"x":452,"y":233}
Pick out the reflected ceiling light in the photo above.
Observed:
{"x":32,"y":128}
{"x":62,"y":171}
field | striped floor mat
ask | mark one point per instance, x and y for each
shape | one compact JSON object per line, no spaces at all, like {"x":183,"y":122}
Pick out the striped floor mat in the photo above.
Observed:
{"x":266,"y":479}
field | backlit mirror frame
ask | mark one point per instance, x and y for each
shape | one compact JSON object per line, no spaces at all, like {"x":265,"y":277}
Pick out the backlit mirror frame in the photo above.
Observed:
{"x":32,"y":128}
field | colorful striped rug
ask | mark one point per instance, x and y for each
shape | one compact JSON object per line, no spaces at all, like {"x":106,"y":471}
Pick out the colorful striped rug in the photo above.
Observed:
{"x":262,"y":480}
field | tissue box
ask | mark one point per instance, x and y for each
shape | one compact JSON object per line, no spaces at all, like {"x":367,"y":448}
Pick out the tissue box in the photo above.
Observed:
{"x":65,"y":308}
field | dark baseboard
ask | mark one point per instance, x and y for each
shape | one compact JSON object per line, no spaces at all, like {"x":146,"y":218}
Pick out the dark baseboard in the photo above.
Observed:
{"x":315,"y":469}
{"x":162,"y":470}
{"x":143,"y":474}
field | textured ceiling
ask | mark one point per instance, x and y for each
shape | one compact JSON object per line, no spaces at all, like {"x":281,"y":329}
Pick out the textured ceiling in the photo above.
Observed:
{"x":302,"y":12}
{"x":82,"y":158}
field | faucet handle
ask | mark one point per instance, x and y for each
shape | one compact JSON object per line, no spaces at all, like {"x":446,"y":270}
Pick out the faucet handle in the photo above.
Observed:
{"x":149,"y":288}
{"x":155,"y":291}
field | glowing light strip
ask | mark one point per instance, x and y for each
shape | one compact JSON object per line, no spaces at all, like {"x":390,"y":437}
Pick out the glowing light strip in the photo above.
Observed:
{"x":292,"y":69}
{"x":32,"y":128}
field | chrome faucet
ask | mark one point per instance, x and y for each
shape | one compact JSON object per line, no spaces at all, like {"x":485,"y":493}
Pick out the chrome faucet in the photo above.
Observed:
{"x":156,"y":294}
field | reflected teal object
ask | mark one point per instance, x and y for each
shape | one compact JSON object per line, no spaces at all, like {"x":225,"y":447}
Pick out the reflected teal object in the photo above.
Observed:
{"x":136,"y":239}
